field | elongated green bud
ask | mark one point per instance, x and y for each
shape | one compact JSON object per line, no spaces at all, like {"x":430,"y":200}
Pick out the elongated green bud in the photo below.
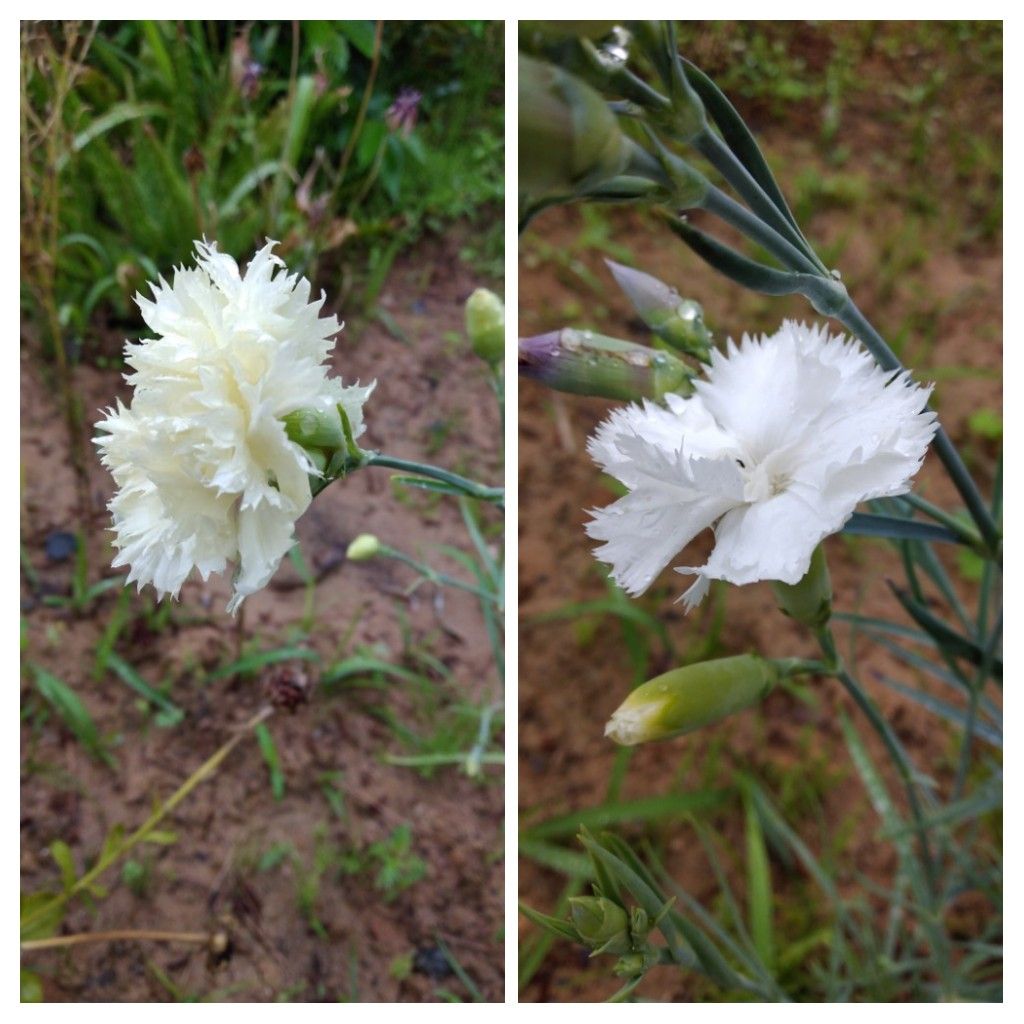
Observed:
{"x":677,"y":321}
{"x":485,"y":325}
{"x":585,"y":363}
{"x":569,"y":139}
{"x":687,"y":698}
{"x":363,"y":548}
{"x":601,"y":924}
{"x":810,"y":600}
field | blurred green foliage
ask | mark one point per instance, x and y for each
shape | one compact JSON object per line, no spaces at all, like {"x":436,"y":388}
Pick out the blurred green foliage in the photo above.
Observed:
{"x":343,"y":140}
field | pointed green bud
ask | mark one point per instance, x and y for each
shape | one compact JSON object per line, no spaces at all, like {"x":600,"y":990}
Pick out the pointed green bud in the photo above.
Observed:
{"x":569,"y":140}
{"x":485,"y":325}
{"x":685,"y":116}
{"x":315,"y":428}
{"x":601,"y":924}
{"x":585,"y":363}
{"x":810,"y":601}
{"x":677,"y":321}
{"x":690,"y":697}
{"x":363,"y":548}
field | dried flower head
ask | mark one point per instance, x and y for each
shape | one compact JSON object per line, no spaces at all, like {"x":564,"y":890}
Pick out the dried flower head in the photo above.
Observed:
{"x":205,"y":471}
{"x":775,"y":450}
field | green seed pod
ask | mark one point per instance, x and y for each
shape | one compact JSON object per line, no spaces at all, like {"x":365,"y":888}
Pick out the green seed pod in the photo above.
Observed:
{"x":363,"y":548}
{"x":687,"y":698}
{"x":485,"y":325}
{"x":601,"y":924}
{"x":677,"y":321}
{"x":569,"y":140}
{"x":809,"y":601}
{"x":585,"y":363}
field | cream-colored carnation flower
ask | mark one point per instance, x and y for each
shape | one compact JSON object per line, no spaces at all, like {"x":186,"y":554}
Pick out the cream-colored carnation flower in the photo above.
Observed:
{"x":205,"y":472}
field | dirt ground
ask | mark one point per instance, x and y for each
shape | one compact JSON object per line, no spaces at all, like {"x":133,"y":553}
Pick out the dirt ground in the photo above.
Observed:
{"x":433,"y":403}
{"x":572,"y":678}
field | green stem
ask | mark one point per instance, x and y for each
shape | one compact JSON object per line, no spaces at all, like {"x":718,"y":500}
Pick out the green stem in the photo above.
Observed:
{"x":718,"y":203}
{"x":892,"y":745}
{"x":854,"y":320}
{"x":437,"y":577}
{"x":469,"y":487}
{"x":710,"y":146}
{"x":203,"y":772}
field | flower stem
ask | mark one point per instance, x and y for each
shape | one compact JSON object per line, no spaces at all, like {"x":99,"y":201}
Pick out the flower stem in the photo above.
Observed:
{"x":434,"y":576}
{"x":463,"y":484}
{"x":710,"y":146}
{"x":718,"y":203}
{"x":118,"y":850}
{"x":892,"y":745}
{"x":854,"y":320}
{"x":118,"y":935}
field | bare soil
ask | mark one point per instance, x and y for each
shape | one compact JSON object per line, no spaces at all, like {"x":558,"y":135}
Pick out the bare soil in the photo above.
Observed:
{"x":573,"y":674}
{"x":433,"y":403}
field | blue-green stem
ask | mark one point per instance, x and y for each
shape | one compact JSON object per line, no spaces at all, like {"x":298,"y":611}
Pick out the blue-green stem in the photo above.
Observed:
{"x":469,"y":487}
{"x":854,"y":320}
{"x":892,"y":745}
{"x":722,"y":158}
{"x":718,"y":203}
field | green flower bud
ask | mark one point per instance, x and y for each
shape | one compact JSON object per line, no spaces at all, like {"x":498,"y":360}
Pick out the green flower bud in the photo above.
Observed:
{"x":315,"y":428}
{"x":585,"y":363}
{"x":677,"y":321}
{"x":363,"y":548}
{"x":485,"y":325}
{"x":633,"y":964}
{"x":810,"y":600}
{"x":690,"y":697}
{"x":569,"y":140}
{"x":601,"y":924}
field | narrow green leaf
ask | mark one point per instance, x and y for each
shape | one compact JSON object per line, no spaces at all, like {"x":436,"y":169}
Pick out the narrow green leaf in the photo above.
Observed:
{"x":868,"y":525}
{"x":270,"y":756}
{"x":759,"y":887}
{"x":73,"y":713}
{"x":61,"y":853}
{"x":252,"y":663}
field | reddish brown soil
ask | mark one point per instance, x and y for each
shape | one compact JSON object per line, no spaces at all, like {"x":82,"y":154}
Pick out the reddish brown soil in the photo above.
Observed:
{"x":573,"y":675}
{"x":432,"y":403}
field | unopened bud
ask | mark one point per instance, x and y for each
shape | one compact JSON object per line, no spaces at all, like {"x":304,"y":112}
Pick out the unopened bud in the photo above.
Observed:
{"x":364,"y":547}
{"x":601,"y":924}
{"x":569,"y":139}
{"x":677,"y":321}
{"x":810,"y":601}
{"x":485,"y":325}
{"x":690,"y":697}
{"x":585,"y":363}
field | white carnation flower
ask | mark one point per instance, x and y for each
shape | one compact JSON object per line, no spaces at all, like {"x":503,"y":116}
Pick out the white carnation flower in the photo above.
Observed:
{"x":774,"y":451}
{"x":205,"y":471}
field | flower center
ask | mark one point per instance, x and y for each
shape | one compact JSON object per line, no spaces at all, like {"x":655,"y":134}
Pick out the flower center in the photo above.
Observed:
{"x":765,"y":479}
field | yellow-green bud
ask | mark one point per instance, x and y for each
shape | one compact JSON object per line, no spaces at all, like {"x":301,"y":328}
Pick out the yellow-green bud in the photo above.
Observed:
{"x":810,"y":600}
{"x":485,"y":325}
{"x":690,"y":697}
{"x":601,"y":924}
{"x":677,"y":321}
{"x":364,"y":547}
{"x":569,"y":139}
{"x":585,"y":363}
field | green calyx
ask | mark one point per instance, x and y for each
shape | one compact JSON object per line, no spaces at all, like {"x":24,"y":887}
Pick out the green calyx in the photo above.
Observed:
{"x":809,"y":602}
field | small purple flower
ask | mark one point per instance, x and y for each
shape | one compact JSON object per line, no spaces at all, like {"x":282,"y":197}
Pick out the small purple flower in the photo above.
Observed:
{"x":402,"y":114}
